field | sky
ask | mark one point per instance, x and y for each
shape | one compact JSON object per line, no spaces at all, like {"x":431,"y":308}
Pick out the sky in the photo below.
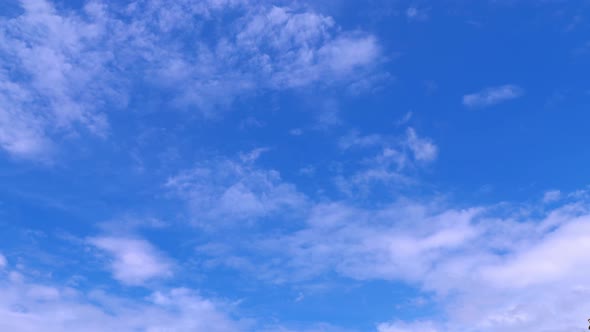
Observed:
{"x":294,"y":166}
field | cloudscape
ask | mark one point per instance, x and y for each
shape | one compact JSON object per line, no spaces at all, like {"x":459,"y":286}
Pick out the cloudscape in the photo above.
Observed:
{"x":294,"y":166}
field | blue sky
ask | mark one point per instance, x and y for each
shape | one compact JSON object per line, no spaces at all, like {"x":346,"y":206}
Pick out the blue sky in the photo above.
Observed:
{"x":237,"y":165}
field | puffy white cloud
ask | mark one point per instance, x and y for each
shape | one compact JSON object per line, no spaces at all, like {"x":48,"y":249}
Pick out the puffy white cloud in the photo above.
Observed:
{"x":134,"y":261}
{"x":492,"y":96}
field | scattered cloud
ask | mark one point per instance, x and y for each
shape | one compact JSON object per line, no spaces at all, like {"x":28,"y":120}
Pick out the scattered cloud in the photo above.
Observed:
{"x":133,"y":261}
{"x":491,"y":96}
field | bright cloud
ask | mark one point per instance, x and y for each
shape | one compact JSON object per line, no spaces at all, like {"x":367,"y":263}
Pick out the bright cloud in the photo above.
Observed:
{"x":134,"y":261}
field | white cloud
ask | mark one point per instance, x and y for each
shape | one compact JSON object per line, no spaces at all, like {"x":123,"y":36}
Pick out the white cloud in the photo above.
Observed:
{"x":395,"y":161}
{"x":65,"y":70}
{"x":51,"y":78}
{"x":555,"y":258}
{"x":2,"y":261}
{"x":296,"y":132}
{"x":423,"y":149}
{"x":134,"y":261}
{"x":253,"y":155}
{"x":489,"y":273}
{"x":29,"y":306}
{"x":492,"y":96}
{"x":382,"y":244}
{"x":225,"y":191}
{"x":266,"y":48}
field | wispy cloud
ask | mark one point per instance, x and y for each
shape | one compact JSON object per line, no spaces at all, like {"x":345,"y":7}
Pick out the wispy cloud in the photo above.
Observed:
{"x":491,"y":96}
{"x":394,"y":160}
{"x":225,"y":191}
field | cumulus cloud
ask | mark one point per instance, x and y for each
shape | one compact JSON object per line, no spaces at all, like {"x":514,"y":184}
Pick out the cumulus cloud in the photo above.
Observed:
{"x":64,"y":70}
{"x":491,"y":96}
{"x":133,"y":261}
